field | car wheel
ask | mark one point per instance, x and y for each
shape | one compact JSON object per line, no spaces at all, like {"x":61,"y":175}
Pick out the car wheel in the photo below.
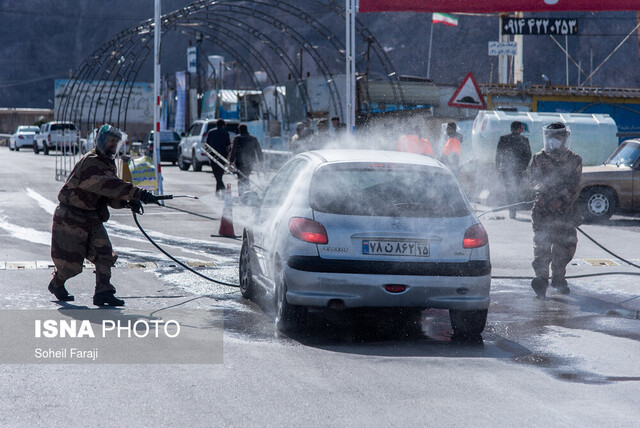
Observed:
{"x":197,"y":166}
{"x":182,"y":164}
{"x":247,"y":287}
{"x":468,"y":324}
{"x":36,"y":150}
{"x":17,"y":148}
{"x":597,"y":204}
{"x":45,"y":148}
{"x":288,"y":317}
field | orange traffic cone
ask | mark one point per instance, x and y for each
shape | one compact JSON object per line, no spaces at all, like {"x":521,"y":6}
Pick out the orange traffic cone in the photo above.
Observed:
{"x":226,"y":222}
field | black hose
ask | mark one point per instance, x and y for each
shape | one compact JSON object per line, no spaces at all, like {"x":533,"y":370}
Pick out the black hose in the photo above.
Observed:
{"x":605,"y":249}
{"x":586,"y":275}
{"x":135,"y":218}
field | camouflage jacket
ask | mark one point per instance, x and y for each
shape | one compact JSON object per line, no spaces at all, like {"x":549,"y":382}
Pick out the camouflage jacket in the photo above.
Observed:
{"x":92,"y":185}
{"x":555,"y":183}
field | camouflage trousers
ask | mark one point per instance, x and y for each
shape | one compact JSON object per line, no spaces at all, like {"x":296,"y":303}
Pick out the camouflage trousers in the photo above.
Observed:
{"x":554,"y":243}
{"x":76,"y":237}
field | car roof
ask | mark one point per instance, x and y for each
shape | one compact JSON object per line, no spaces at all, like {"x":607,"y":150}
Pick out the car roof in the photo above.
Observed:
{"x":632,"y":141}
{"x":387,"y":156}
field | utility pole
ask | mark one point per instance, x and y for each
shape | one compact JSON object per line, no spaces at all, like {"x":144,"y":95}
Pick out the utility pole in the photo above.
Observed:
{"x":518,"y":63}
{"x":503,"y":64}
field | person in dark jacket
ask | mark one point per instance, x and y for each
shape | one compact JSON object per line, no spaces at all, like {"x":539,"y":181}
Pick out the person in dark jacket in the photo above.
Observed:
{"x":555,"y":181}
{"x":512,"y":159}
{"x":78,"y":232}
{"x":245,"y":150}
{"x":219,"y":141}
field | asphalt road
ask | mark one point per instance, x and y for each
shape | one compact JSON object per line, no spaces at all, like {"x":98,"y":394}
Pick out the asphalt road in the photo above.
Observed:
{"x":566,"y":361}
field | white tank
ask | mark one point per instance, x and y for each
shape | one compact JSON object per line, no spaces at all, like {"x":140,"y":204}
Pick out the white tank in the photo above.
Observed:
{"x":593,"y":136}
{"x":215,"y":67}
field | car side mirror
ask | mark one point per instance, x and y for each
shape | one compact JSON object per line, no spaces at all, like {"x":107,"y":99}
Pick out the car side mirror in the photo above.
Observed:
{"x":250,"y":198}
{"x":183,"y":134}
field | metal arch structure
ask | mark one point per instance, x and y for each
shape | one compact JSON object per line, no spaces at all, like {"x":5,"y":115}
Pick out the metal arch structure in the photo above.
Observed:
{"x":234,"y":8}
{"x":118,"y":62}
{"x":389,"y":70}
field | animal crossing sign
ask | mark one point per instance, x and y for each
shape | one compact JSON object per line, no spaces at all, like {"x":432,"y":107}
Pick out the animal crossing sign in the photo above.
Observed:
{"x":468,"y":95}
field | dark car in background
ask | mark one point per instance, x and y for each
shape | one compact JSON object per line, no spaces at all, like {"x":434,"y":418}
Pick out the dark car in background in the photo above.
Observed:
{"x":169,"y":141}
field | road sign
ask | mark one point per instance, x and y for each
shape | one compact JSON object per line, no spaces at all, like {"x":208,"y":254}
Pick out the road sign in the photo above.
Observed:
{"x":502,"y":48}
{"x":468,"y":95}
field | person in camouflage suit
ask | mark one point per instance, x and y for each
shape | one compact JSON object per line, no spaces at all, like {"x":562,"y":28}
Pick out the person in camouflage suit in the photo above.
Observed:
{"x":78,"y":232}
{"x":555,"y":181}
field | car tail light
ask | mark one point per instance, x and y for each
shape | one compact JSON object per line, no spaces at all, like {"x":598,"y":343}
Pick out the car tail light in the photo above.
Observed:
{"x":395,"y":288}
{"x":475,"y":237}
{"x":21,"y":137}
{"x":308,"y":230}
{"x":49,"y":138}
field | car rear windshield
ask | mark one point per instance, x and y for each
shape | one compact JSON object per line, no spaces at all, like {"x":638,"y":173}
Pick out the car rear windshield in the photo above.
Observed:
{"x":626,"y":155}
{"x":168,"y":136}
{"x":389,"y":190}
{"x":63,"y":126}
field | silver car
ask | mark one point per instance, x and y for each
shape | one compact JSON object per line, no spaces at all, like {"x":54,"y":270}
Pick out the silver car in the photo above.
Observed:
{"x":366,"y":228}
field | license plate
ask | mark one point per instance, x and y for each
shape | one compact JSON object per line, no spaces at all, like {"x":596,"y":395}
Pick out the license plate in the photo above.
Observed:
{"x":395,"y":248}
{"x":166,"y":148}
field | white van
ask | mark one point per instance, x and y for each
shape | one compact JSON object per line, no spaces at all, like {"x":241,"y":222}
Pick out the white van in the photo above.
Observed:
{"x":593,"y":136}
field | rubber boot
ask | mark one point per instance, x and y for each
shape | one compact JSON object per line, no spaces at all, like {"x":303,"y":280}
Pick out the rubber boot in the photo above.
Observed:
{"x":107,"y":298}
{"x":61,"y":292}
{"x":560,"y":284}
{"x":105,"y":292}
{"x":56,"y":287}
{"x":539,"y":285}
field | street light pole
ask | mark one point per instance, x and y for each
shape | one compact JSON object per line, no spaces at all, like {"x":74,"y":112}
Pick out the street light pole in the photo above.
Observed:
{"x":350,"y":44}
{"x":156,"y":93}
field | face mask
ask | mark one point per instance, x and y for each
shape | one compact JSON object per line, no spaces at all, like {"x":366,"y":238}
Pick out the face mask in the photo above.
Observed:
{"x":554,"y":143}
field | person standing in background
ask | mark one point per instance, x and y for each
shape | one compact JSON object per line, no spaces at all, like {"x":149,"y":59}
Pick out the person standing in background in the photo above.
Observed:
{"x":512,"y":159}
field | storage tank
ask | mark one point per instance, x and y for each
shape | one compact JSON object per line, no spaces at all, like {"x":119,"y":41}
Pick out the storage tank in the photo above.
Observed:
{"x":215,"y":68}
{"x":593,"y":136}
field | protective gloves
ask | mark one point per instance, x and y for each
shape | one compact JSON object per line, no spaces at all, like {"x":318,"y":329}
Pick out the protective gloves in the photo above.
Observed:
{"x":136,"y":206}
{"x":148,"y":198}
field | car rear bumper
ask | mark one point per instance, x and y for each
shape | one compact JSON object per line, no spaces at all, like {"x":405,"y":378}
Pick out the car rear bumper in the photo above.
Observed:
{"x":428,"y":285}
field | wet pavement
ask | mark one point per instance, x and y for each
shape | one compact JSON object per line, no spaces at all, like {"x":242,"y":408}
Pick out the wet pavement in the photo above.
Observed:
{"x":590,"y":337}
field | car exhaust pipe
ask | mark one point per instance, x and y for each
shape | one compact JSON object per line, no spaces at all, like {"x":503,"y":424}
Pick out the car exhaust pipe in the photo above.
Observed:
{"x":336,"y":305}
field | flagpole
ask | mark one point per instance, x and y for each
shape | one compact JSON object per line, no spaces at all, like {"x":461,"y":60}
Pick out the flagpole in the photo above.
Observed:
{"x":429,"y":60}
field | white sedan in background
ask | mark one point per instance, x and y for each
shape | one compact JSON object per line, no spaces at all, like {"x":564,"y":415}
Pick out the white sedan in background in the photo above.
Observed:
{"x":23,"y":137}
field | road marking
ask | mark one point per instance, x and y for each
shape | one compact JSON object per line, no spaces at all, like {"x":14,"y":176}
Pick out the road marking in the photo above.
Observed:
{"x":47,"y":264}
{"x":601,"y":262}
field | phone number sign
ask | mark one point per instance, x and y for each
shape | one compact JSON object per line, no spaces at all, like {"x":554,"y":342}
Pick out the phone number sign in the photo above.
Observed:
{"x":540,"y":26}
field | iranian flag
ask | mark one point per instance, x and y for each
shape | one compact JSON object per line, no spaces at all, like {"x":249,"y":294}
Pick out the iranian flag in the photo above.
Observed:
{"x":446,"y":19}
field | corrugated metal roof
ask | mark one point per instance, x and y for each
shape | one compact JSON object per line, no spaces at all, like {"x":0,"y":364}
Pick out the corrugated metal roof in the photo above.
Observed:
{"x":544,"y":90}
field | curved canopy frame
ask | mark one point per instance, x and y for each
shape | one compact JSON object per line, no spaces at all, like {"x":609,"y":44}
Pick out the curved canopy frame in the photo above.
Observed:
{"x":116,"y":65}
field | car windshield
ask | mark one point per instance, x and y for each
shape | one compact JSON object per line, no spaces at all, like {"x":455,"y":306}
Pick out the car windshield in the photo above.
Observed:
{"x":63,"y":126}
{"x":28,"y":129}
{"x":390,"y":190}
{"x":626,"y":155}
